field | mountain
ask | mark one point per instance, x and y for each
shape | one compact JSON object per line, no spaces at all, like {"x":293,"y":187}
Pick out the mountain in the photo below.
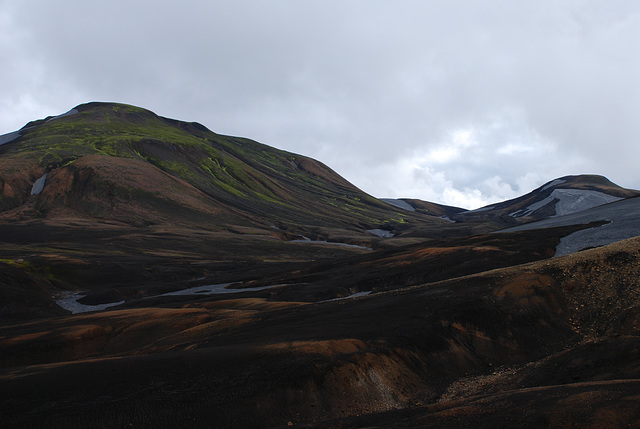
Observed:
{"x":612,"y":222}
{"x":114,"y":162}
{"x":157,"y":274}
{"x":559,"y":197}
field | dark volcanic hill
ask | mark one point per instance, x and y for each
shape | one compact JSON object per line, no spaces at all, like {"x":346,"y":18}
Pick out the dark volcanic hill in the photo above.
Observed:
{"x":563,"y":196}
{"x":156,"y":274}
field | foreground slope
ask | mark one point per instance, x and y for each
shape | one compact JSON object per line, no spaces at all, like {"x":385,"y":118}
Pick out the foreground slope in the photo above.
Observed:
{"x":476,"y":351}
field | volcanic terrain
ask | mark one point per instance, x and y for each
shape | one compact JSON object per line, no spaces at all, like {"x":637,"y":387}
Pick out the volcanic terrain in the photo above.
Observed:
{"x":156,"y":274}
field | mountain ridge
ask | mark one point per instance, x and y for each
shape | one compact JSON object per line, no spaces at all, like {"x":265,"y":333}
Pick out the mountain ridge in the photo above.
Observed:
{"x":239,"y":178}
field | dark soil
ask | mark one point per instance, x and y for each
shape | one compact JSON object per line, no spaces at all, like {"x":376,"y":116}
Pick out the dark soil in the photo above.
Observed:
{"x":546,"y":344}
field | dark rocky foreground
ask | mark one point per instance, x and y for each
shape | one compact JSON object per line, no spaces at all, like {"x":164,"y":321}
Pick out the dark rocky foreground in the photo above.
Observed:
{"x":552,"y":343}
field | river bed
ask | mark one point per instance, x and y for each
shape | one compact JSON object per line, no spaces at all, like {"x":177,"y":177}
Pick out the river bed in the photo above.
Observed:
{"x":69,"y":301}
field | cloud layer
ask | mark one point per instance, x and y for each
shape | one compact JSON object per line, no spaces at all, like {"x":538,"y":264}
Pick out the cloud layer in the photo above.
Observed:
{"x":457,"y":102}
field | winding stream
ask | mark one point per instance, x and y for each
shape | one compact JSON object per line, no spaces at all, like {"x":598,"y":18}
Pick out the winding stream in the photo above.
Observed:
{"x":216,"y":289}
{"x":69,"y":301}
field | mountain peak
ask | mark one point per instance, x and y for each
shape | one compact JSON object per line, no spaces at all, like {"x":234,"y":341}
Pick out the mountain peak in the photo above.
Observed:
{"x":582,"y":181}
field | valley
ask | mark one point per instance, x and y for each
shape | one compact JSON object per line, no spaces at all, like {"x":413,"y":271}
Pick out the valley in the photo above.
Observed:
{"x":163,"y":275}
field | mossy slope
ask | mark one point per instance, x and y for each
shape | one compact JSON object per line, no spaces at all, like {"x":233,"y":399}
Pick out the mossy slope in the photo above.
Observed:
{"x":105,"y":157}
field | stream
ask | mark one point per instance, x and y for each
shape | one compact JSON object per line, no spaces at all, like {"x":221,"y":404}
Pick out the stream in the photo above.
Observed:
{"x":69,"y":301}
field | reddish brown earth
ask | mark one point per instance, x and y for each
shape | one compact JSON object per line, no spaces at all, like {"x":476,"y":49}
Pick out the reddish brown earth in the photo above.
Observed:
{"x":551,"y":343}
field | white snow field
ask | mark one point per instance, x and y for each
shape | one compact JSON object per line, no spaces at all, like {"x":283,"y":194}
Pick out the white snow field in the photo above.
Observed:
{"x":623,"y":219}
{"x":401,"y":204}
{"x":569,"y":201}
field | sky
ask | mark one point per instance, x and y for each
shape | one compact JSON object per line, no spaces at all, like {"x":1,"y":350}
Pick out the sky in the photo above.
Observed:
{"x":464,"y":103}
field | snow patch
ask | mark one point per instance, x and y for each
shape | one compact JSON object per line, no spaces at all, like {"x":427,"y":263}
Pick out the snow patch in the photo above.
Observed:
{"x":401,"y":204}
{"x":382,"y":233}
{"x":38,"y":186}
{"x":574,"y":200}
{"x":553,"y":183}
{"x":9,"y":137}
{"x":533,"y":207}
{"x":569,"y":201}
{"x":622,"y":223}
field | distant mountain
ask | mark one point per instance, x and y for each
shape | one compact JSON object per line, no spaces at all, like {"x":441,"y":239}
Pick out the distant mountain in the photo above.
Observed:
{"x":425,"y":207}
{"x":559,"y":197}
{"x":615,"y":221}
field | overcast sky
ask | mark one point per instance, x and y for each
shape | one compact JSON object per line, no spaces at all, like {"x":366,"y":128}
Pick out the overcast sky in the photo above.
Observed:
{"x":463,"y":103}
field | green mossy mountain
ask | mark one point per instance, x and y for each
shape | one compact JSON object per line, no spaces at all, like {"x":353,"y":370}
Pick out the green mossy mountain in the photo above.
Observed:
{"x":119,"y":162}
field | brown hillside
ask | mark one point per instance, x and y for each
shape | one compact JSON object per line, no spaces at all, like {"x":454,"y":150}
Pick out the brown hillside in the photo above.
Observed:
{"x":127,"y":190}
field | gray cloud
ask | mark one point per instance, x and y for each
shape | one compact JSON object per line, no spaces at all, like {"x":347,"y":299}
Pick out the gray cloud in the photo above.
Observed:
{"x":456,"y":102}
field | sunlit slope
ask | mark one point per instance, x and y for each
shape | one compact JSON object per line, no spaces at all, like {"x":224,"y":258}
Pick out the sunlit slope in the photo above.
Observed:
{"x":114,"y":161}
